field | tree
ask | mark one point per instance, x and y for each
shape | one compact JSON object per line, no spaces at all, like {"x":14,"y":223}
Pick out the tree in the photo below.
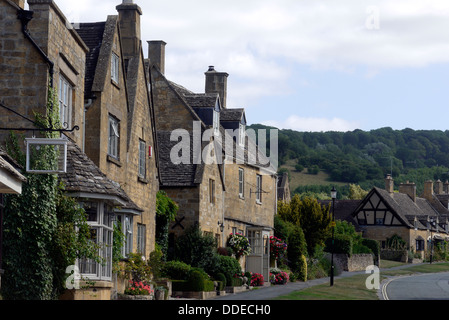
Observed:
{"x":356,"y":192}
{"x":310,"y":216}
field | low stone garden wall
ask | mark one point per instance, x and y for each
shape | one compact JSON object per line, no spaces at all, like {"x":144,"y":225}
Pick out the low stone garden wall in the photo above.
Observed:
{"x":355,"y":262}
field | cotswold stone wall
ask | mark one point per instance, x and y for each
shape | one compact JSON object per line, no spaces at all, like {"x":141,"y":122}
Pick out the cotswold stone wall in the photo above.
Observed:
{"x":355,"y":262}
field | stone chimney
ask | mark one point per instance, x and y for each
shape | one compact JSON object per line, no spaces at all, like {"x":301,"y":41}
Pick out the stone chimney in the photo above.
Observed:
{"x":409,"y":189}
{"x":129,"y":19}
{"x":428,"y":190}
{"x":389,"y":184}
{"x":156,"y":54}
{"x":217,"y":82}
{"x":439,"y":187}
{"x":446,"y":187}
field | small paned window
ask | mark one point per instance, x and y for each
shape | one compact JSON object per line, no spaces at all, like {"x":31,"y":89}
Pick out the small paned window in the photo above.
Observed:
{"x":115,"y":63}
{"x":142,"y":159}
{"x":65,"y":102}
{"x":241,"y":182}
{"x":242,"y":135}
{"x":114,"y":136}
{"x":259,"y":189}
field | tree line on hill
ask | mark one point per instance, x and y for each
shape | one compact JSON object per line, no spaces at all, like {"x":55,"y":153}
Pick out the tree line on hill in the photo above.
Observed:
{"x":365,"y":157}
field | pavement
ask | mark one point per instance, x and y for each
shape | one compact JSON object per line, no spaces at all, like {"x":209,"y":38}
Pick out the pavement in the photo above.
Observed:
{"x":271,"y":292}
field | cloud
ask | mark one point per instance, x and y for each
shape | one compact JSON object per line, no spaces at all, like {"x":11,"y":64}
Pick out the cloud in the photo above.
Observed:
{"x":260,"y":43}
{"x":312,"y":124}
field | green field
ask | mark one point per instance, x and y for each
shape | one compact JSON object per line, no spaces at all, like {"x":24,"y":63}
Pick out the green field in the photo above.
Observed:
{"x":304,"y":179}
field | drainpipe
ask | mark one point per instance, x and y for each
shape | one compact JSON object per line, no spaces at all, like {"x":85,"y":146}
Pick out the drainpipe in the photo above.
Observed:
{"x":25,"y":17}
{"x":86,"y":107}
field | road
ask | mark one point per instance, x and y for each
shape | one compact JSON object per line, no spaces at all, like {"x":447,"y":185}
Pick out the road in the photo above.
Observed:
{"x":433,"y":286}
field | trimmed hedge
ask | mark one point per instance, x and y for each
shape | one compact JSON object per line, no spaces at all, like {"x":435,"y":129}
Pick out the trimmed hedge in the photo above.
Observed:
{"x":176,"y":270}
{"x":196,"y":283}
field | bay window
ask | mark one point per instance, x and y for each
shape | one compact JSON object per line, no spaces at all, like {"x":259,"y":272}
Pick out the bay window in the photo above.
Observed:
{"x":100,"y":219}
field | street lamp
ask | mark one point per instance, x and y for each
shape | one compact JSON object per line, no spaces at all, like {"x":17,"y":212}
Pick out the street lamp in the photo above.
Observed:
{"x":333,"y":196}
{"x":432,"y":223}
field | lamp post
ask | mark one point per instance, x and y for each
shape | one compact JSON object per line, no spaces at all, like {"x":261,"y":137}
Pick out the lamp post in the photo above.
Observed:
{"x":333,"y":196}
{"x":432,"y":223}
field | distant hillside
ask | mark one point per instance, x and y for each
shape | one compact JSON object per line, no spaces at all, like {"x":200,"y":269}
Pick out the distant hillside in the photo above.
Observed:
{"x":365,"y":157}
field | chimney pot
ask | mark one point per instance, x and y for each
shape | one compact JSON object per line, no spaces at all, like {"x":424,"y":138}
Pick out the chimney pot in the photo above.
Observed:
{"x":389,"y":184}
{"x":217,"y":82}
{"x":428,"y":190}
{"x":409,"y":189}
{"x":156,"y":54}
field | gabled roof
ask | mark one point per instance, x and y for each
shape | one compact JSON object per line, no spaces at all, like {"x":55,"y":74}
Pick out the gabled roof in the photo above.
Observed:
{"x":84,"y":179}
{"x":184,"y":174}
{"x":403,"y":207}
{"x":92,"y":35}
{"x":234,"y":114}
{"x":175,"y":175}
{"x":201,"y":100}
{"x":343,"y":210}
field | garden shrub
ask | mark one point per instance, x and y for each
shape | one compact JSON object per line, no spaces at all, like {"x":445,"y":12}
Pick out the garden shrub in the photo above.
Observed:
{"x":198,"y":282}
{"x":176,"y":270}
{"x":228,"y":266}
{"x":302,"y":269}
{"x":342,"y":244}
{"x":197,"y":249}
{"x":373,"y":245}
{"x":221,"y":279}
{"x":297,"y":247}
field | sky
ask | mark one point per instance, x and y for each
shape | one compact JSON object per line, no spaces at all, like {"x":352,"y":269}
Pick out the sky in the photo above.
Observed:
{"x":306,"y":65}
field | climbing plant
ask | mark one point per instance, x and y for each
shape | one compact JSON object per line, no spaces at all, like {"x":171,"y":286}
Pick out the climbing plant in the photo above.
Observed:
{"x":166,"y":211}
{"x":44,"y":230}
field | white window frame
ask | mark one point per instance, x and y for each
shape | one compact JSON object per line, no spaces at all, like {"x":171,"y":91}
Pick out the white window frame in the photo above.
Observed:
{"x":104,"y":237}
{"x":259,"y":188}
{"x":113,"y":137}
{"x":216,"y":122}
{"x":127,"y":228}
{"x":141,"y":238}
{"x":241,"y":183}
{"x":242,"y":133}
{"x":65,"y":102}
{"x":115,"y":67}
{"x":142,"y":159}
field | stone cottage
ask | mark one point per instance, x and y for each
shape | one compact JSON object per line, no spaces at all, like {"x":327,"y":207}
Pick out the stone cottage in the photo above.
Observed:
{"x":224,"y":195}
{"x":119,"y":121}
{"x":419,"y":221}
{"x":99,"y":74}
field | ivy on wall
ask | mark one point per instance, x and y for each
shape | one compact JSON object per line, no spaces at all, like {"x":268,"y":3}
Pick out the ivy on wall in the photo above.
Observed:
{"x":44,"y":230}
{"x":166,"y":211}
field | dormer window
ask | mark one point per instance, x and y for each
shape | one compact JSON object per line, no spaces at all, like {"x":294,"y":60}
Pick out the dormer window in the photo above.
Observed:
{"x":216,"y":123}
{"x":242,"y":135}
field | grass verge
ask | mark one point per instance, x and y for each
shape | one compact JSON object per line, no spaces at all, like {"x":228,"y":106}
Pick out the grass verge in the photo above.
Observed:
{"x":354,"y":288}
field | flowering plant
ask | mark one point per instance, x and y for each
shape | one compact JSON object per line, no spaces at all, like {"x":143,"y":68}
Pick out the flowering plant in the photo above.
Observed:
{"x":278,"y":248}
{"x":239,"y":245}
{"x":257,"y":280}
{"x":138,"y":288}
{"x":278,"y":277}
